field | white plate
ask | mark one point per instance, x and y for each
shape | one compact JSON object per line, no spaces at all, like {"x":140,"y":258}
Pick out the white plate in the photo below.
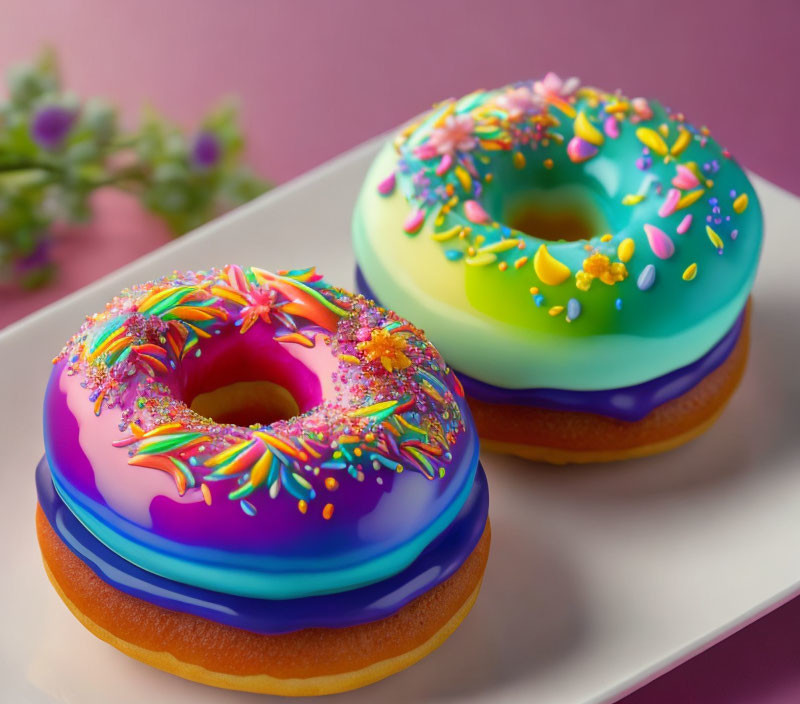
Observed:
{"x":599,"y":578}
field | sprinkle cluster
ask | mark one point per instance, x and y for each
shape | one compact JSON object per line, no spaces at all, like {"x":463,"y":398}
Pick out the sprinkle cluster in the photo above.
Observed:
{"x":446,"y":160}
{"x":394,"y":409}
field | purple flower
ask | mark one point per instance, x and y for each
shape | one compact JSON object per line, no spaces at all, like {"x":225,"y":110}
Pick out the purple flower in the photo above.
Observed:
{"x":206,"y":150}
{"x":51,"y":124}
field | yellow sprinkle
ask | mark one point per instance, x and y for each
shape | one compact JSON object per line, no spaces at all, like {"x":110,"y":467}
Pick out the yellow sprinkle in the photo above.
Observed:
{"x":663,"y":128}
{"x":501,"y":246}
{"x":606,"y":238}
{"x":349,"y":358}
{"x":482,"y":259}
{"x":617,"y":107}
{"x":683,"y":141}
{"x":555,"y":310}
{"x":689,"y":198}
{"x":502,"y":266}
{"x":327,"y":512}
{"x":445,"y":114}
{"x":302,"y":506}
{"x":439,"y":221}
{"x":534,"y":290}
{"x":709,"y":183}
{"x":690,"y":272}
{"x":626,"y":249}
{"x":464,"y":178}
{"x":715,"y":238}
{"x":488,"y":178}
{"x":520,"y":262}
{"x":740,"y":204}
{"x":652,"y":140}
{"x":632,"y":199}
{"x":549,"y":270}
{"x":587,"y":131}
{"x":331,"y":484}
{"x":479,"y":240}
{"x":519,"y":160}
{"x":447,"y":234}
{"x":206,"y":493}
{"x":548,"y":163}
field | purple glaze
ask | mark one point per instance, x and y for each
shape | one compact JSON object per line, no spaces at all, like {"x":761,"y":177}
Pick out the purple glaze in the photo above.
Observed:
{"x":437,"y":563}
{"x":630,"y":403}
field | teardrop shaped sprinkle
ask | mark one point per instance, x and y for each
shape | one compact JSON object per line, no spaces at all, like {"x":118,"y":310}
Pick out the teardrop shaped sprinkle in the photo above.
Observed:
{"x":740,"y":204}
{"x":386,"y":187}
{"x":579,"y":150}
{"x":464,"y":179}
{"x":685,"y":178}
{"x":647,"y":278}
{"x":632,"y":199}
{"x":475,"y":212}
{"x":653,"y":140}
{"x":573,"y":309}
{"x":659,"y":241}
{"x":626,"y":249}
{"x":549,"y":270}
{"x":668,"y":206}
{"x":611,"y":127}
{"x":414,"y":221}
{"x":716,"y":240}
{"x":684,"y":225}
{"x":586,"y":130}
{"x":690,"y":198}
{"x":690,"y":272}
{"x":444,"y":165}
{"x":684,"y":140}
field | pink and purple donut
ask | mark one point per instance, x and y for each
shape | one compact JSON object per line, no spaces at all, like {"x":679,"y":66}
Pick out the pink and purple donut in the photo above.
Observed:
{"x":260,"y":482}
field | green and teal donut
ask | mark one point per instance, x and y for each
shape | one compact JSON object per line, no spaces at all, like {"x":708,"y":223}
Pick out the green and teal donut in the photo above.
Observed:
{"x":547,"y":235}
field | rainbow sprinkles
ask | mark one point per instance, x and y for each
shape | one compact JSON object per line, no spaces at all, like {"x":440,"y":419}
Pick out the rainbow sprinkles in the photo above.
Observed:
{"x":393,"y":406}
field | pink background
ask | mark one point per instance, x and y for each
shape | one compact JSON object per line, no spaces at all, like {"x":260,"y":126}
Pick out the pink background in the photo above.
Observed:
{"x":316,"y":78}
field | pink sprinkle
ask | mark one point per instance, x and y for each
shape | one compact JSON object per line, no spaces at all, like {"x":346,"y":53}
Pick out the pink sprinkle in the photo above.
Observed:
{"x":659,"y":241}
{"x":685,"y":179}
{"x":686,"y":223}
{"x":414,"y":221}
{"x":425,"y":151}
{"x":668,"y":206}
{"x":611,"y":127}
{"x":642,"y":108}
{"x":475,"y":212}
{"x":386,"y":186}
{"x":579,"y":150}
{"x":444,"y":165}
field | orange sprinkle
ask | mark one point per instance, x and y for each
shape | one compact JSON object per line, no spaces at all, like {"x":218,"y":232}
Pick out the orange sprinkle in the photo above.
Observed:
{"x":534,"y":290}
{"x":502,"y":266}
{"x":548,"y":163}
{"x":331,"y":484}
{"x":206,"y":493}
{"x":520,"y":262}
{"x":327,"y":512}
{"x":302,"y":506}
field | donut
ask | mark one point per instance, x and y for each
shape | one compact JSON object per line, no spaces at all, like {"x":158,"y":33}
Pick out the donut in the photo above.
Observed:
{"x":260,"y":482}
{"x":581,"y":259}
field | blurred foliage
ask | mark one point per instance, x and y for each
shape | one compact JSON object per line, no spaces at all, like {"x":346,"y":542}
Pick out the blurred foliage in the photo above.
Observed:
{"x":56,"y":150}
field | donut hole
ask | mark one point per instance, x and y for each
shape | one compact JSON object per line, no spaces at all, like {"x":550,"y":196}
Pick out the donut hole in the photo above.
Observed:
{"x":250,"y":379}
{"x":562,"y":213}
{"x":247,"y":403}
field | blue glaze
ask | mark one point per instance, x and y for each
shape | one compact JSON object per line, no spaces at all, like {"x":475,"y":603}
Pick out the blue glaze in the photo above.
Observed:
{"x":629,"y":403}
{"x":439,"y":561}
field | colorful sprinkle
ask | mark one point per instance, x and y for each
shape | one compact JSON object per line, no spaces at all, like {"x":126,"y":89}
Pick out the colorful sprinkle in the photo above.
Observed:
{"x":690,"y":272}
{"x":672,"y":200}
{"x":327,"y":512}
{"x":573,"y":309}
{"x":740,"y":204}
{"x":386,"y":187}
{"x":579,"y":150}
{"x":611,"y":127}
{"x":659,"y":241}
{"x":475,"y":212}
{"x":689,"y":199}
{"x":716,"y":240}
{"x":626,"y":249}
{"x":586,"y":131}
{"x":646,"y":278}
{"x":549,"y":270}
{"x":633,"y":199}
{"x":685,"y":224}
{"x":414,"y":221}
{"x":652,"y":140}
{"x":684,"y":140}
{"x":685,"y":178}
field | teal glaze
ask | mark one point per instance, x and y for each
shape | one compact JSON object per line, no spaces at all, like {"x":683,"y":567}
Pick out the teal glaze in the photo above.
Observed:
{"x":623,"y":335}
{"x":256,"y":576}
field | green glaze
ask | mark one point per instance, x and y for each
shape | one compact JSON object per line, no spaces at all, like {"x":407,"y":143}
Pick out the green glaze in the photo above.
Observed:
{"x":476,"y":304}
